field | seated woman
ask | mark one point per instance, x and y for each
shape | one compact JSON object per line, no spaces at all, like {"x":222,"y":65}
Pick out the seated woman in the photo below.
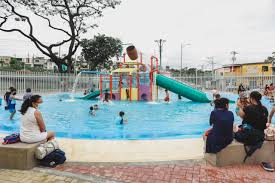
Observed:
{"x":255,"y":114}
{"x":222,"y":120}
{"x":32,"y":127}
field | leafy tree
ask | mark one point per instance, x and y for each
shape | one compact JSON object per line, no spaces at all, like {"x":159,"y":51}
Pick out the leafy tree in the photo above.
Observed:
{"x":16,"y":64}
{"x":74,"y":16}
{"x":271,"y":59}
{"x":99,"y":51}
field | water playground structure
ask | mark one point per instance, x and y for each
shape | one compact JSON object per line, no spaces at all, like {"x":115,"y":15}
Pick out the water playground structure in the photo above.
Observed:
{"x":135,"y":81}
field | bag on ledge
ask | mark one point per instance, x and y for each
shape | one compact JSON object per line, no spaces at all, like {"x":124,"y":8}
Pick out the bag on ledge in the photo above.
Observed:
{"x":53,"y":159}
{"x":44,"y":149}
{"x":12,"y":139}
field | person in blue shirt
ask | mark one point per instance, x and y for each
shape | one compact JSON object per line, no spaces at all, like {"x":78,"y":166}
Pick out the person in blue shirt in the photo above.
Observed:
{"x":222,"y":121}
{"x":7,"y":96}
{"x":120,"y":119}
{"x":12,"y":103}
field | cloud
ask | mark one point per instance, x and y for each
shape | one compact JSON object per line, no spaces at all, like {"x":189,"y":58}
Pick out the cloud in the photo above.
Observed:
{"x":213,"y":27}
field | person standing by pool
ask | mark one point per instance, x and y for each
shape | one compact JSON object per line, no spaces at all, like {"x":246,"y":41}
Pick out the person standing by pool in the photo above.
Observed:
{"x":221,"y":134}
{"x":7,"y":96}
{"x":215,"y":92}
{"x":241,"y":89}
{"x":28,"y":94}
{"x":33,"y":128}
{"x":12,"y":103}
{"x":167,"y":98}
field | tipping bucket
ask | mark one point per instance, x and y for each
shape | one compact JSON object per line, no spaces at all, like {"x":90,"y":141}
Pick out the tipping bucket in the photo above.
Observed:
{"x":132,"y":52}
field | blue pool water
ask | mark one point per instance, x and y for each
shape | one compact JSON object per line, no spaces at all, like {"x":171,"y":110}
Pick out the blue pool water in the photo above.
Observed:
{"x":71,"y":119}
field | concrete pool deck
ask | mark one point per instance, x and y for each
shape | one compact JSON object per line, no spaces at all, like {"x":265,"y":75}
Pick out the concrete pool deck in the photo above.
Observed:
{"x":78,"y":150}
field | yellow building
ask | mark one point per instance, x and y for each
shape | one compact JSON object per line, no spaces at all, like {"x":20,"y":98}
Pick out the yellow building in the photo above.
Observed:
{"x":254,"y":75}
{"x":257,"y":69}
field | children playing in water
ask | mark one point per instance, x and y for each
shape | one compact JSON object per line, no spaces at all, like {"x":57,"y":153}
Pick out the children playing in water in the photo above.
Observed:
{"x":12,"y":103}
{"x":28,"y":94}
{"x":120,"y":119}
{"x":271,"y":100}
{"x":92,"y":111}
{"x":167,"y":98}
{"x":106,"y":97}
{"x":7,"y":96}
{"x":242,"y":102}
{"x":216,"y":97}
{"x":96,"y":107}
{"x":85,"y":92}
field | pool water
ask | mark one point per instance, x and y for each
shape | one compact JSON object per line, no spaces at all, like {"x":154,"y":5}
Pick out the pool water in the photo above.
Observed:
{"x":146,"y":120}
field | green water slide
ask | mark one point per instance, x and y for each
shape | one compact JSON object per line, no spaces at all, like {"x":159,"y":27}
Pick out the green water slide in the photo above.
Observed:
{"x":181,"y":89}
{"x":91,"y":95}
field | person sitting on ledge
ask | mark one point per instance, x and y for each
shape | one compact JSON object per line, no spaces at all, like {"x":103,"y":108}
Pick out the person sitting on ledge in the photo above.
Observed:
{"x":33,"y":128}
{"x":222,"y":120}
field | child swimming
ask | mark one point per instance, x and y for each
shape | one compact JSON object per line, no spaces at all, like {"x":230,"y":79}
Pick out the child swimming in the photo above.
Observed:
{"x":92,"y":111}
{"x":96,"y":107}
{"x":120,"y":119}
{"x":271,"y":100}
{"x":106,"y":97}
{"x":167,"y":98}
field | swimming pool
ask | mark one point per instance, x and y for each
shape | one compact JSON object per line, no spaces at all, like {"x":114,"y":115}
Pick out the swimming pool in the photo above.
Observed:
{"x":147,"y":120}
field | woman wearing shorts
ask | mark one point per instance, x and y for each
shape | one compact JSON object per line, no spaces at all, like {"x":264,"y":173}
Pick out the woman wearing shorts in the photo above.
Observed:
{"x":33,"y":128}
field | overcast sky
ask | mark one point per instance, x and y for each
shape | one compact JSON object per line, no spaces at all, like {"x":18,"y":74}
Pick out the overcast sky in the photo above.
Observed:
{"x":212,"y":27}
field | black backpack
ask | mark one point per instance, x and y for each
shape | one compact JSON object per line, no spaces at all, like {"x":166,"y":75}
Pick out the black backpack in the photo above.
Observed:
{"x":251,"y":138}
{"x":53,"y":159}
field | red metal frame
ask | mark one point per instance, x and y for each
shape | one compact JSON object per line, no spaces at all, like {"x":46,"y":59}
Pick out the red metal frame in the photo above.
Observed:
{"x":152,"y":74}
{"x":120,"y":85}
{"x":111,"y":87}
{"x":130,"y":78}
{"x":124,"y":57}
{"x":138,"y":86}
{"x":100,"y":86}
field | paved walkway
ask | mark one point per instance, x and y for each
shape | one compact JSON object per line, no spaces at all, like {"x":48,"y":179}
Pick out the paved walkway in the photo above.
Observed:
{"x":170,"y":172}
{"x":175,"y":172}
{"x":16,"y":176}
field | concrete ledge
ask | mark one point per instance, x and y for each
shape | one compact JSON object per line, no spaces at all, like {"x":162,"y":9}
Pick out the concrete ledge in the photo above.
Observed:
{"x":18,"y":156}
{"x":234,"y":154}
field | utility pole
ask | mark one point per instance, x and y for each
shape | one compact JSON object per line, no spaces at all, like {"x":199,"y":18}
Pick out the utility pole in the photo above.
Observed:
{"x":233,"y":53}
{"x":160,"y":44}
{"x":212,"y":63}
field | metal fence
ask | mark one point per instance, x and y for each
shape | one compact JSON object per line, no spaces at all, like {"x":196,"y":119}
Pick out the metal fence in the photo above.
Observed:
{"x":228,"y":83}
{"x":43,"y":82}
{"x":55,"y":82}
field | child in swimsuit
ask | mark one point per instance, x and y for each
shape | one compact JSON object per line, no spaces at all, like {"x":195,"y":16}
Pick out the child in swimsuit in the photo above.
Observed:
{"x":120,"y":119}
{"x":12,"y":103}
{"x":92,"y":111}
{"x":167,"y":98}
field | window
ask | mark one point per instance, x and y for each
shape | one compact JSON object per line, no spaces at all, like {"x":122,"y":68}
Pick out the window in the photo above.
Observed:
{"x":265,"y":68}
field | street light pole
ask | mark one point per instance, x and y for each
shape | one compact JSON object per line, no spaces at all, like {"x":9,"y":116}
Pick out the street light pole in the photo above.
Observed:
{"x":181,"y":55}
{"x":160,"y":44}
{"x":181,"y":47}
